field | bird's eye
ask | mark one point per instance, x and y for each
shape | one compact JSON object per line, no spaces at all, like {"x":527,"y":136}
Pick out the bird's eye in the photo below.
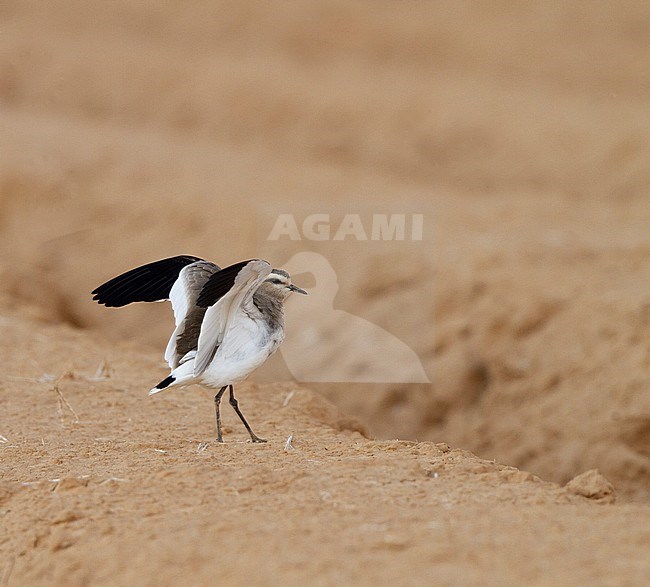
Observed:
{"x":276,"y":281}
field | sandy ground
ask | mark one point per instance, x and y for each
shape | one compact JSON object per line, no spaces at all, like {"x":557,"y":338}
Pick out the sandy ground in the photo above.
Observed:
{"x":130,"y":132}
{"x":102,"y":485}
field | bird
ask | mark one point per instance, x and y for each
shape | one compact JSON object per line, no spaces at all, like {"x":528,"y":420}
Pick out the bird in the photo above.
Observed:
{"x":229,"y":320}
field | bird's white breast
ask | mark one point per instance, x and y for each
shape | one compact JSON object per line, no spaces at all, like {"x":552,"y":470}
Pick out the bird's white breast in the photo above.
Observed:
{"x":246,"y":345}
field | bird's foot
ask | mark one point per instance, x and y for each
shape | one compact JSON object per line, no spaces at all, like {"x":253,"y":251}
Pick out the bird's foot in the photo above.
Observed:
{"x":256,"y":438}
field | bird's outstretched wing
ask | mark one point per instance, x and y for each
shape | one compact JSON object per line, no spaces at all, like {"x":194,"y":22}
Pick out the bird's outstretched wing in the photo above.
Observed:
{"x":178,"y":279}
{"x":223,"y":295}
{"x":148,"y":283}
{"x":187,"y":315}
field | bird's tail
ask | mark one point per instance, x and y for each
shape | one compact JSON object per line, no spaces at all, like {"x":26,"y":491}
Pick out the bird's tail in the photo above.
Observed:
{"x":164,"y":384}
{"x":179,"y":377}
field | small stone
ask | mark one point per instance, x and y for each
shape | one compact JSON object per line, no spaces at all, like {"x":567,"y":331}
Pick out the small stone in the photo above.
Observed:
{"x":592,"y":485}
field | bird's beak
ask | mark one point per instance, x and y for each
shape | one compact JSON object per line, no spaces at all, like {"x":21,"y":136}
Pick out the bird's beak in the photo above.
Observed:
{"x":297,"y":289}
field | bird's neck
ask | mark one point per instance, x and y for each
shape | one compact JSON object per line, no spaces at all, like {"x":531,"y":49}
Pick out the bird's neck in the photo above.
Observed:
{"x":270,"y":302}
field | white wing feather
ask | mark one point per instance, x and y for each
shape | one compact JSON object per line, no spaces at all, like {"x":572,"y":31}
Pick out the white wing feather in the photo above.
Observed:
{"x":183,"y":296}
{"x":218,"y":317}
{"x":179,"y":297}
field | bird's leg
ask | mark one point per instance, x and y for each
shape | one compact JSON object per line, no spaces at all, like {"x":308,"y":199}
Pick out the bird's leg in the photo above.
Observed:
{"x":235,"y":405}
{"x":217,"y":401}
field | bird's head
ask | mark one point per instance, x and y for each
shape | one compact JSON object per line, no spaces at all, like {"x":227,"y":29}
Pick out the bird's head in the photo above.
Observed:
{"x":280,"y":281}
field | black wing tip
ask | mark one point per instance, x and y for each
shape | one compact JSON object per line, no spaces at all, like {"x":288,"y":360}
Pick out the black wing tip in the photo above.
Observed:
{"x":103,"y":299}
{"x":97,"y":296}
{"x":108,"y":303}
{"x":142,"y":284}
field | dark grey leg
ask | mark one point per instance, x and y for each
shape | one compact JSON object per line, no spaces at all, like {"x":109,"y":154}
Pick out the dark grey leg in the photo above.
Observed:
{"x":235,"y":405}
{"x":217,"y":401}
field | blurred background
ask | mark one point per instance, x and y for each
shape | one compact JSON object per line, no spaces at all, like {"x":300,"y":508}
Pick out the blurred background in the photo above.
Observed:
{"x":131,"y":131}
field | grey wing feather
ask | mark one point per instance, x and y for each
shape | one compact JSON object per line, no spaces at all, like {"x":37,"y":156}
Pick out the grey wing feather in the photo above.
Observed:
{"x":188,"y":316}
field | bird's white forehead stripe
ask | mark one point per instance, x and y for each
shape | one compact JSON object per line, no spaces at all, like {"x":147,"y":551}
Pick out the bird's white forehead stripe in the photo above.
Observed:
{"x":280,"y":273}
